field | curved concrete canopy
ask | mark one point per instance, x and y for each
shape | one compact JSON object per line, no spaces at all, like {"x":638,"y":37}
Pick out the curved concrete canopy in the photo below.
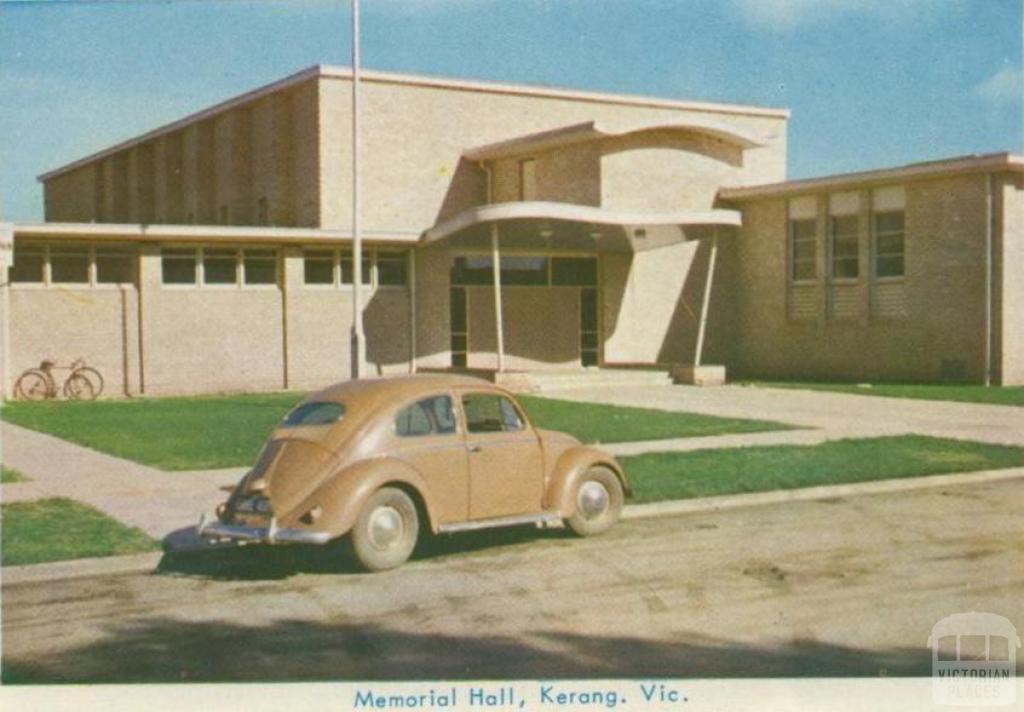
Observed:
{"x":570,"y":212}
{"x":595,"y":130}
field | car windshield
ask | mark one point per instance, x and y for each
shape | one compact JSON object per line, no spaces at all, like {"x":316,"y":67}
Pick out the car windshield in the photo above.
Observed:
{"x":314,"y":414}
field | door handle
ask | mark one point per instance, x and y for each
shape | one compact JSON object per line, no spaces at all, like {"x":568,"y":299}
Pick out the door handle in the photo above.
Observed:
{"x":474,"y":448}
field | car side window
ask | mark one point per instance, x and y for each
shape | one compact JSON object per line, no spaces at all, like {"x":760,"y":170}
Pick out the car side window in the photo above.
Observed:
{"x":425,"y":417}
{"x":490,"y":413}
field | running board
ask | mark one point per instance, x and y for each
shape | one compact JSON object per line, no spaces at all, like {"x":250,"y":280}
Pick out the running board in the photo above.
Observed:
{"x":546,"y":518}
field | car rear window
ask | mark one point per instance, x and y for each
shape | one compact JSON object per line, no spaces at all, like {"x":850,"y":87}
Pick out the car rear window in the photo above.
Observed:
{"x":314,"y":414}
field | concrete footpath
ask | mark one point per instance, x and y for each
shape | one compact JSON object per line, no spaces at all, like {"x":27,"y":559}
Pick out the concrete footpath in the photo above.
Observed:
{"x":834,"y":415}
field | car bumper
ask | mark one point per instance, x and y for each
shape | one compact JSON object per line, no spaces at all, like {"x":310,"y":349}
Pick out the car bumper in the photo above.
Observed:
{"x":266,"y":535}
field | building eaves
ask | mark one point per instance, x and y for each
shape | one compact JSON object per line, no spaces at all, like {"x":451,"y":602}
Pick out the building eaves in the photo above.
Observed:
{"x":915,"y":171}
{"x":204,"y":233}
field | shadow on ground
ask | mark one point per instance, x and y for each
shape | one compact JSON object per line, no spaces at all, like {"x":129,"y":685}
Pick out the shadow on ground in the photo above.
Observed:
{"x":262,"y":562}
{"x":167,"y":650}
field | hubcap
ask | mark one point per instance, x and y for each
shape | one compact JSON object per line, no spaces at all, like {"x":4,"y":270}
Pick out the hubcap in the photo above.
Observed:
{"x":592,"y":500}
{"x":386,"y":527}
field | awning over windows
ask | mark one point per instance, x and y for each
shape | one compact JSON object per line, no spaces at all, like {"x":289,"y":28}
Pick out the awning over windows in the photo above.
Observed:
{"x":596,"y":130}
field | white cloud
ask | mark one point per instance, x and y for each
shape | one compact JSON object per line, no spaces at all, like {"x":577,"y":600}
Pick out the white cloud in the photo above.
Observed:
{"x":1006,"y":86}
{"x":787,"y":15}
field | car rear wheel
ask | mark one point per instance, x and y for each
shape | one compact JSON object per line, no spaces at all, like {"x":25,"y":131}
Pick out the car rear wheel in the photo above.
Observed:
{"x":597,"y":502}
{"x":385,"y":534}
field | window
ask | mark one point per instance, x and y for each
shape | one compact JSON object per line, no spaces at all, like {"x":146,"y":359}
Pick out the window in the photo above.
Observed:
{"x":524,"y":270}
{"x":428,"y":416}
{"x":487,"y":413}
{"x":889,"y":244}
{"x":115,"y":265}
{"x":260,"y":266}
{"x":69,"y":264}
{"x":28,"y":264}
{"x":528,"y":179}
{"x":845,"y":263}
{"x":473,"y":270}
{"x":315,"y":413}
{"x":220,"y":265}
{"x":178,"y":265}
{"x":574,"y":272}
{"x":391,"y":269}
{"x":347,"y":267}
{"x":318,"y":266}
{"x":803,"y":250}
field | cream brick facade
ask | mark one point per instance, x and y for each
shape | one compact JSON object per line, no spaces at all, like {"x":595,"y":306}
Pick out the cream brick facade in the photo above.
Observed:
{"x":276,"y":163}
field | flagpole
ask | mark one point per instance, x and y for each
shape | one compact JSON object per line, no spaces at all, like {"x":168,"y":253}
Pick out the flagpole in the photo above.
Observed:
{"x":358,"y":337}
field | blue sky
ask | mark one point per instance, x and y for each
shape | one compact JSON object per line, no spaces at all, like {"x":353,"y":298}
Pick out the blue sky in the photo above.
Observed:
{"x":870,"y":83}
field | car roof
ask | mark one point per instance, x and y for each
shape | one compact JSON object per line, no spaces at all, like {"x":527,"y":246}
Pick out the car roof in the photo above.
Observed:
{"x":369,"y":392}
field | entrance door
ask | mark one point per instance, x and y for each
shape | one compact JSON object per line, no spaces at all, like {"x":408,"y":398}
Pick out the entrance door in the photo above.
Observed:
{"x":459,"y":319}
{"x":506,"y":475}
{"x":589,"y":338}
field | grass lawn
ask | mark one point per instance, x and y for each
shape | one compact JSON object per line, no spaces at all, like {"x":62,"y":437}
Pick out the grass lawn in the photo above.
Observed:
{"x":9,"y":475}
{"x":227,"y":431}
{"x":58,"y":529}
{"x":682,"y":475}
{"x":599,"y":423}
{"x":995,"y":395}
{"x":169,"y":433}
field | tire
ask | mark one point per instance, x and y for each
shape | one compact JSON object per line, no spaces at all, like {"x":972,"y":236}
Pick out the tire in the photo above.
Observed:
{"x":386,"y":532}
{"x":84,"y":383}
{"x":597,"y":502}
{"x":33,"y":385}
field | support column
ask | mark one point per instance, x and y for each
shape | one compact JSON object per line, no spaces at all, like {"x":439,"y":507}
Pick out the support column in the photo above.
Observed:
{"x":499,"y":330}
{"x":707,"y":300}
{"x":411,"y":260}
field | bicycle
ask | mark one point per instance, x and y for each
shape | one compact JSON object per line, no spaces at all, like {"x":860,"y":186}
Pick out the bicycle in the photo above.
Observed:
{"x":36,"y":384}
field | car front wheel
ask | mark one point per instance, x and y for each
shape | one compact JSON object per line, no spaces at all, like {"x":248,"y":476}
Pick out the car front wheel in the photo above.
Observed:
{"x":597,"y":502}
{"x":385,"y":534}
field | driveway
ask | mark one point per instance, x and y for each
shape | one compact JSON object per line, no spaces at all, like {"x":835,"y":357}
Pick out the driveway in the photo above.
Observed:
{"x":836,"y":414}
{"x":844,"y":587}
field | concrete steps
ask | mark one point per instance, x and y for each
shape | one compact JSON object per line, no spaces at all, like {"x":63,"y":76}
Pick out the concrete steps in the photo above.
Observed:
{"x":542,"y":381}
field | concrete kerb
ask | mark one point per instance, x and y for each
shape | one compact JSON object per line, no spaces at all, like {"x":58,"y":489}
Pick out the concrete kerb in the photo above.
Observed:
{"x":115,"y":565}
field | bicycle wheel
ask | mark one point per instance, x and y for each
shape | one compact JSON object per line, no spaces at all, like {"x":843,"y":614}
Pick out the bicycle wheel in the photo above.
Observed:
{"x":84,"y":383}
{"x":33,"y":385}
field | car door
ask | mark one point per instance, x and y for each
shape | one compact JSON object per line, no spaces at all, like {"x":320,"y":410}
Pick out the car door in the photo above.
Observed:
{"x":427,"y":437}
{"x":505,"y":464}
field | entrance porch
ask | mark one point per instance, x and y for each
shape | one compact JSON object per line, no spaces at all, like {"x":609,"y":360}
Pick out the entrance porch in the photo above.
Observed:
{"x":576,"y":288}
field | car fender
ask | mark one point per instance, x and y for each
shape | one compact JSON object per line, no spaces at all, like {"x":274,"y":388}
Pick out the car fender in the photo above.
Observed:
{"x":570,"y":468}
{"x":341,"y":498}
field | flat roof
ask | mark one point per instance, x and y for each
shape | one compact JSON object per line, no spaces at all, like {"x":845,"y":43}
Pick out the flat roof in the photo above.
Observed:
{"x":207,"y":233}
{"x":572,"y":212}
{"x":912,"y":171}
{"x":378,"y":77}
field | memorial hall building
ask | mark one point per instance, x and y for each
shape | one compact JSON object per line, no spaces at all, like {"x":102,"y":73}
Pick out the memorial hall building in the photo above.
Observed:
{"x":517,"y":232}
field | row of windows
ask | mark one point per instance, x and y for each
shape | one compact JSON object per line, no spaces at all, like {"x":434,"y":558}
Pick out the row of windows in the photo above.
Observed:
{"x":72,"y":264}
{"x":218,"y":266}
{"x":334,"y":267}
{"x":525,"y":270}
{"x":484,"y":412}
{"x":843,"y":256}
{"x":259,"y":266}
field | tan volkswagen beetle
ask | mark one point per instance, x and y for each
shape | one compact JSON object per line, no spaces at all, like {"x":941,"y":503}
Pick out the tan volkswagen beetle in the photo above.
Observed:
{"x":384,"y":460}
